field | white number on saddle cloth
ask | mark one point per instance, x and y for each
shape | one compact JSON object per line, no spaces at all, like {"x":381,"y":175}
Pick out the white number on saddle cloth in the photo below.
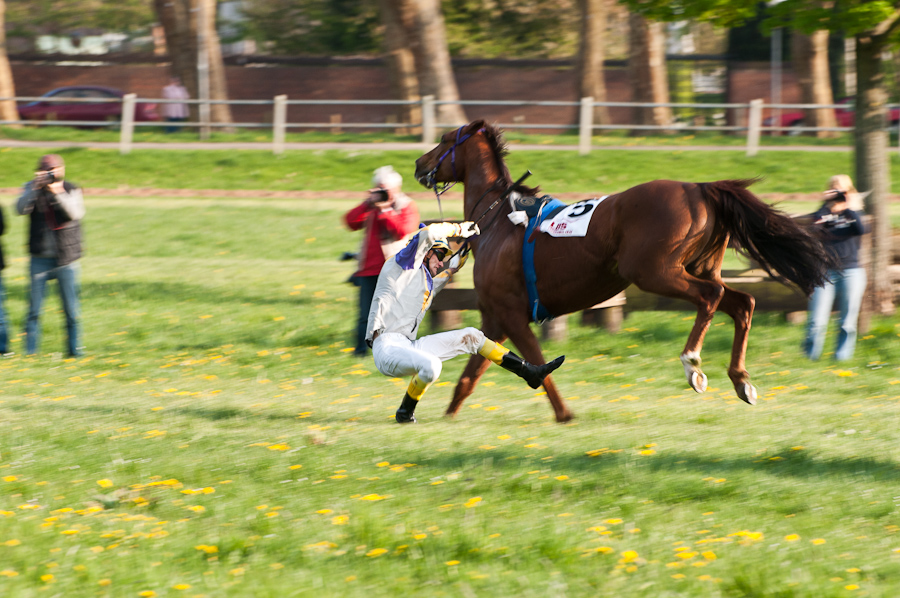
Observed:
{"x":573,"y":220}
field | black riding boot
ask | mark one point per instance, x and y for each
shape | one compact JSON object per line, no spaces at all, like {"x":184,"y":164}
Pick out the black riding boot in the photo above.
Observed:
{"x":407,"y":407}
{"x":532,"y":374}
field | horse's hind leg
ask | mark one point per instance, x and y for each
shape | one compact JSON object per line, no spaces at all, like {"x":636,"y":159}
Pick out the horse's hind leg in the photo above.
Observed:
{"x":706,"y":295}
{"x":739,"y":306}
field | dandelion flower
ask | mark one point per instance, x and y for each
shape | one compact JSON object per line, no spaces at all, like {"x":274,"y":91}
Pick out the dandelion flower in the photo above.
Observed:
{"x":376,"y":552}
{"x":182,"y":586}
{"x":451,"y":563}
{"x":791,"y":538}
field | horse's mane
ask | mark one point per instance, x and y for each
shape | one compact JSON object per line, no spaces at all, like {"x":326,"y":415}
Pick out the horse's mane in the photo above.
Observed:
{"x":498,"y":144}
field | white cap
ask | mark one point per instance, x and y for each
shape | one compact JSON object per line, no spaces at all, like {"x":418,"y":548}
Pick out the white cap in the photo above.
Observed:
{"x":387,"y":177}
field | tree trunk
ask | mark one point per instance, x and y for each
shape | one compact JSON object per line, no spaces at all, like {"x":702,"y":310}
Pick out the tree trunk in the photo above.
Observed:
{"x":810,"y":57}
{"x":218,"y":84}
{"x":401,"y":65}
{"x":179,"y":21}
{"x":424,"y":25}
{"x":7,"y":87}
{"x":872,"y":173}
{"x":647,"y":71}
{"x":591,"y":82}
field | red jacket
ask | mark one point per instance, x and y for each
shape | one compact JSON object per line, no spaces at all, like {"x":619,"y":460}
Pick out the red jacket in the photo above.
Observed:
{"x":383,"y":230}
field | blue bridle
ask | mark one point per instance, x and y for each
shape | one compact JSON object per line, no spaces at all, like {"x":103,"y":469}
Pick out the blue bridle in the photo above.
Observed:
{"x":430,"y":177}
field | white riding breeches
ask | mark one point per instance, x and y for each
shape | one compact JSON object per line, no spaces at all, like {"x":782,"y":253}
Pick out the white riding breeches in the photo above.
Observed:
{"x":395,"y":355}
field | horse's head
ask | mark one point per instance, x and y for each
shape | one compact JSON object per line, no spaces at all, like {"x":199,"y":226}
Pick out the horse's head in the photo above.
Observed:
{"x":435,"y":167}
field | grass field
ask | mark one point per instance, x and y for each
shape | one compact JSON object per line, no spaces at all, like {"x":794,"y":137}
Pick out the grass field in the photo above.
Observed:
{"x":219,"y":439}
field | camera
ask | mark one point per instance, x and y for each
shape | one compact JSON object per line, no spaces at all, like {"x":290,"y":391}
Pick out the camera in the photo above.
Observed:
{"x":44,"y":178}
{"x":381,"y":195}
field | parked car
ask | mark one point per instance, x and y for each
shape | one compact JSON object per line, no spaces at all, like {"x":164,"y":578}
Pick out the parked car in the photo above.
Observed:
{"x":84,"y":111}
{"x":845,"y":116}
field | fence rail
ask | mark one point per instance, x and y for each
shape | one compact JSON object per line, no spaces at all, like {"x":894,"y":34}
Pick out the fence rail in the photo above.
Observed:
{"x":749,"y":116}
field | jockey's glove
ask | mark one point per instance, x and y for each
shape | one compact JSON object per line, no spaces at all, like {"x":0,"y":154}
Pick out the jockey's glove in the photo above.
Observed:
{"x":468,"y":229}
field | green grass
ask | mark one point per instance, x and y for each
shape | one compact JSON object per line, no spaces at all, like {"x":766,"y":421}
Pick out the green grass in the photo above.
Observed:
{"x":602,"y":171}
{"x":219,"y":435}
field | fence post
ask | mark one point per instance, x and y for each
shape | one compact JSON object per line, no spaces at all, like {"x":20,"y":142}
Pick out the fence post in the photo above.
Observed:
{"x":126,"y":131}
{"x":428,"y":124}
{"x":585,"y":125}
{"x":754,"y":122}
{"x":279,"y":118}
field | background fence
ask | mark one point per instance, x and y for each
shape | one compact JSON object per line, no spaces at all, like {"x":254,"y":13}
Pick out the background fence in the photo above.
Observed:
{"x":746,"y":118}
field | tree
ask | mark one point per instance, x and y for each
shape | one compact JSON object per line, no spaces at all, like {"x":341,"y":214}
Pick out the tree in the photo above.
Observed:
{"x":591,"y":53}
{"x":7,"y":87}
{"x":182,"y":27}
{"x":810,"y":57}
{"x":401,"y":62}
{"x":647,"y":70}
{"x":423,"y":23}
{"x":874,"y":25}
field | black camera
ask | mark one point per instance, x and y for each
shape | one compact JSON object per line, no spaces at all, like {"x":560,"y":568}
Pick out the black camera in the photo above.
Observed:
{"x":381,"y":195}
{"x":44,"y":178}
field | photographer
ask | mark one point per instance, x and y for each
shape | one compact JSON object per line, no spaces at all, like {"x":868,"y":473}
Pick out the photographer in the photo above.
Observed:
{"x":56,"y":208}
{"x":840,"y":218}
{"x":389,"y":218}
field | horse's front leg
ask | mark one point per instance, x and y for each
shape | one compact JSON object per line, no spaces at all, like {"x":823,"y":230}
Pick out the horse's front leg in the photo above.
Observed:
{"x":475,"y":368}
{"x":525,"y":341}
{"x":739,"y":306}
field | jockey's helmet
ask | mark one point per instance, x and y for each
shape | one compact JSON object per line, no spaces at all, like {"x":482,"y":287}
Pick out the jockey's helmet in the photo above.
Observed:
{"x":441,"y":247}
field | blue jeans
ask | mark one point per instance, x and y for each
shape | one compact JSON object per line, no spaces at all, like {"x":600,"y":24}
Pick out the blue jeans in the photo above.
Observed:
{"x":366,"y":293}
{"x":848,"y":286}
{"x":4,"y":335}
{"x":42,"y":270}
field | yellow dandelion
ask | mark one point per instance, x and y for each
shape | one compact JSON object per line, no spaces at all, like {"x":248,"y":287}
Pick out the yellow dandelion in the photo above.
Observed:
{"x":104,"y":483}
{"x":320,"y":511}
{"x":237,"y":571}
{"x":709,"y":555}
{"x":10,"y":478}
{"x":104,"y":582}
{"x":647,"y":452}
{"x":818,"y":541}
{"x":451,"y":563}
{"x":629,"y":556}
{"x":340,"y":520}
{"x":612,"y":521}
{"x":376,"y":552}
{"x":8,"y":573}
{"x":12,"y":542}
{"x":182,"y":586}
{"x":791,"y":538}
{"x":562,"y":478}
{"x":851,"y":587}
{"x":196,"y":508}
{"x":420,"y":536}
{"x":46,"y":578}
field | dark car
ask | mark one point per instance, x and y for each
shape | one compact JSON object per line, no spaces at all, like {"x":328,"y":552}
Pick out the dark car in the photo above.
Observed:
{"x":84,"y":111}
{"x":845,"y":116}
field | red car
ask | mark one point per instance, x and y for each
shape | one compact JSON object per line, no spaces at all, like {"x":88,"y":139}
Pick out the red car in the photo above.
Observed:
{"x":845,"y":116}
{"x":84,"y":111}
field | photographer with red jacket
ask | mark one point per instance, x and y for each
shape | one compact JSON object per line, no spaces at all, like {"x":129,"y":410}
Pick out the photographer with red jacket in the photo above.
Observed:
{"x":389,"y":219}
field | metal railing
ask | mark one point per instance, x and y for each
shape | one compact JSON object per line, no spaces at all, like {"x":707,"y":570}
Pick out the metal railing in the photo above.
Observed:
{"x":429,"y":124}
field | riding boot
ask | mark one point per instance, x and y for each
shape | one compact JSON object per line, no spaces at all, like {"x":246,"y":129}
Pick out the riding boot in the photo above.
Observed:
{"x":532,"y":374}
{"x":417,"y":388}
{"x":405,"y":414}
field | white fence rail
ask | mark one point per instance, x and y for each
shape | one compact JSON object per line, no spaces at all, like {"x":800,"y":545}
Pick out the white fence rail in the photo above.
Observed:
{"x":705,"y":117}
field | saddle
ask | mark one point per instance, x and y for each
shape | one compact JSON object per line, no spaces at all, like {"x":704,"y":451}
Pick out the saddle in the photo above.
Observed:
{"x":528,"y":207}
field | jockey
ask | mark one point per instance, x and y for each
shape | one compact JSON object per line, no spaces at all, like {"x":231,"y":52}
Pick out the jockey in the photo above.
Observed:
{"x":405,"y":290}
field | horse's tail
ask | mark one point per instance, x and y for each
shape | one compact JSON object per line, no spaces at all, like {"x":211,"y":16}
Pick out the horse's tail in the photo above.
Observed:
{"x":785,"y":249}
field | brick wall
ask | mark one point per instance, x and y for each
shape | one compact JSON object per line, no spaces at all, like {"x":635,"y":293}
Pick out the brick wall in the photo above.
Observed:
{"x":371,"y":82}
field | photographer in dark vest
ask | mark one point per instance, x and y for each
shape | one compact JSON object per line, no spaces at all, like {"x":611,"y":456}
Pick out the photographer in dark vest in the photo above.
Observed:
{"x":56,"y":207}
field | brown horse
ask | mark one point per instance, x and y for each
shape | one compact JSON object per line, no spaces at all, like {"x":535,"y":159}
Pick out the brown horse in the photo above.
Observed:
{"x":665,"y":237}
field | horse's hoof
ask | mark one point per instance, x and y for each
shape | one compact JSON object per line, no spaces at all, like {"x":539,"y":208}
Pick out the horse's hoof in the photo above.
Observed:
{"x":747,"y":393}
{"x":698,"y":381}
{"x":565,"y":417}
